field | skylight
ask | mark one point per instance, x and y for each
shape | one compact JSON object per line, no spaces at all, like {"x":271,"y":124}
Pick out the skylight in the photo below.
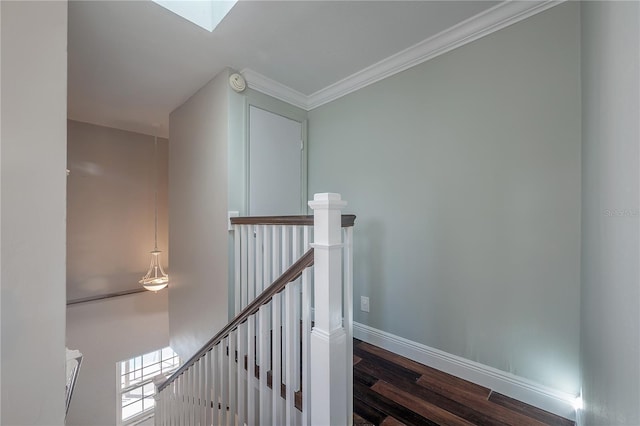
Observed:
{"x":206,"y":14}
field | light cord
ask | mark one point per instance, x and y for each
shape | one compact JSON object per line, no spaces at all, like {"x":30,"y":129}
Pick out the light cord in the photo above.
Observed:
{"x":155,"y":236}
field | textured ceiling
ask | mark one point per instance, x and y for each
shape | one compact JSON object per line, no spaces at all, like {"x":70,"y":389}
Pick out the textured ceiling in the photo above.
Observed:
{"x":132,"y":62}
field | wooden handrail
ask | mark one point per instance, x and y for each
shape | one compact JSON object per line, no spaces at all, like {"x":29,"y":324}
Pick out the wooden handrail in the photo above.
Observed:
{"x":106,"y":296}
{"x":347,"y":220}
{"x":278,"y":285}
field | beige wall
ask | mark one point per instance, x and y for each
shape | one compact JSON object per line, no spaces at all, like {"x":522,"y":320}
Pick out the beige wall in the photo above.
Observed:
{"x":106,"y":332}
{"x":198,"y":294}
{"x":110,"y":208}
{"x":110,"y":213}
{"x":32,"y":208}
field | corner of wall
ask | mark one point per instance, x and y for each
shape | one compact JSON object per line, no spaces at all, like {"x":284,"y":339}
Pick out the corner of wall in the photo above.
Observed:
{"x":198,"y":205}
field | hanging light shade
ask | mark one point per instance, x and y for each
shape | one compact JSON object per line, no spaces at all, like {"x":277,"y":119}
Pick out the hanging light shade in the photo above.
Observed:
{"x":155,"y":279}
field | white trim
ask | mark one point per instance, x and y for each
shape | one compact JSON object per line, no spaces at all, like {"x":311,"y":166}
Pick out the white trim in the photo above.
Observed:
{"x":485,"y":23}
{"x":489,"y":21}
{"x":552,"y":400}
{"x":259,"y":82}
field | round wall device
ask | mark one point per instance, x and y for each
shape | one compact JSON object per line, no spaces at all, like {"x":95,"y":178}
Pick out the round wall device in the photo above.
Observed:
{"x":237,"y":82}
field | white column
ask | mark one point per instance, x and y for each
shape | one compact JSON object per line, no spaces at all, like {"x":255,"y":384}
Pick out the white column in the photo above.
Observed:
{"x":328,"y":338}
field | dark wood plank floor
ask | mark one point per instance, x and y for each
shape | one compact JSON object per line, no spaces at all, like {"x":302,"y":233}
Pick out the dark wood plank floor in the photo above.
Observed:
{"x":392,"y":390}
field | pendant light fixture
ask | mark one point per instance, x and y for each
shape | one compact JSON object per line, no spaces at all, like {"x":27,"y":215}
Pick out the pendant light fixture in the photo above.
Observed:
{"x":155,"y":279}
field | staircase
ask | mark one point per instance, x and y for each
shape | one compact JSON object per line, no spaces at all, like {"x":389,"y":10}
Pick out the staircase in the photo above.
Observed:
{"x":293,"y":303}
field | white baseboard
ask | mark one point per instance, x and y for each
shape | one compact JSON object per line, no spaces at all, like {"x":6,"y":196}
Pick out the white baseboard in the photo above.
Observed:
{"x":524,"y":390}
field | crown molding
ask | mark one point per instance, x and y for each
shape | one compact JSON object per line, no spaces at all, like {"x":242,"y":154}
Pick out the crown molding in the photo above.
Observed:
{"x":485,"y":23}
{"x":259,"y":82}
{"x":496,"y":18}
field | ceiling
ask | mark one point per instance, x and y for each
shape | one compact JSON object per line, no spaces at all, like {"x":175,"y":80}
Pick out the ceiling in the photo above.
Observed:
{"x":132,"y":62}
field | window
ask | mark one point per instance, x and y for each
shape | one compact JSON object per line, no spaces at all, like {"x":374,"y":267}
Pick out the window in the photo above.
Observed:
{"x":136,"y":388}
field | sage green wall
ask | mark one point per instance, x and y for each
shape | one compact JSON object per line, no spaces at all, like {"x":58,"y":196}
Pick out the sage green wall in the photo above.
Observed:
{"x":238,"y":129}
{"x":238,"y":158}
{"x":464,"y":173}
{"x":610,"y":333}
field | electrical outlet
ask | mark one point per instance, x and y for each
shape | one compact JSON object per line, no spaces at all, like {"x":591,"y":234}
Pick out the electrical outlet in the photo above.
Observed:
{"x":364,"y":304}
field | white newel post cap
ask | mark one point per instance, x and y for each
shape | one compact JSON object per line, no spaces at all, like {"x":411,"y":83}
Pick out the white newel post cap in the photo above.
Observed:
{"x":327,"y":200}
{"x":327,"y":218}
{"x":157,"y":381}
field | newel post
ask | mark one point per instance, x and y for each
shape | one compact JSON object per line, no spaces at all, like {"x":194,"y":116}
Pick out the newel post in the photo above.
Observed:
{"x":328,"y":382}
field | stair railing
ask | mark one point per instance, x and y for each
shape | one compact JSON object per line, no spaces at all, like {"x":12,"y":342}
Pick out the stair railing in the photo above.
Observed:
{"x":74,"y":362}
{"x":234,"y":378}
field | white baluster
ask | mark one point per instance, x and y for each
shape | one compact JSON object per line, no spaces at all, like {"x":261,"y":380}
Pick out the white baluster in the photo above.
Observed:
{"x":232,"y":378}
{"x":225,"y":381}
{"x":259,"y":258}
{"x":297,"y":252}
{"x":196,"y":394}
{"x":251,"y":378}
{"x":173,"y":406}
{"x":247,"y":241}
{"x":240,"y":376}
{"x":205,"y":388}
{"x":157,"y":416}
{"x":176,"y":403}
{"x":266,"y":256}
{"x":186,"y":383}
{"x":164,"y":399}
{"x":182,"y":419}
{"x":306,"y":334}
{"x":289,"y":351}
{"x":237,"y":275}
{"x":191,"y":389}
{"x":251,"y":294}
{"x":275,"y":255}
{"x":184,"y":392}
{"x":217,"y":383}
{"x":263,"y":333}
{"x":202,"y":393}
{"x":286,"y":242}
{"x":276,"y":350}
{"x":348,"y":312}
{"x":171,"y":409}
{"x":163,"y":409}
{"x":286,"y":246}
{"x":328,"y":337}
{"x":208,"y":419}
{"x":175,"y":416}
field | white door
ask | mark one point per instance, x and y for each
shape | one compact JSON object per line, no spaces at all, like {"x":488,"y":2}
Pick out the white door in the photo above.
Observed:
{"x":275,"y":164}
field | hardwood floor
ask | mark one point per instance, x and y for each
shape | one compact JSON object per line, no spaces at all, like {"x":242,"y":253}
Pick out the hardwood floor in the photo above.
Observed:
{"x":391,"y":390}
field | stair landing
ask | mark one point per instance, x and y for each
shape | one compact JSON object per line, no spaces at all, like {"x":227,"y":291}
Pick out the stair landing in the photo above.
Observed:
{"x":389,"y":390}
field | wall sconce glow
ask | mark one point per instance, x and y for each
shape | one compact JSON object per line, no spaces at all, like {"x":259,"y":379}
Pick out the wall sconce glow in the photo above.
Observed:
{"x":578,"y":404}
{"x":206,"y":14}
